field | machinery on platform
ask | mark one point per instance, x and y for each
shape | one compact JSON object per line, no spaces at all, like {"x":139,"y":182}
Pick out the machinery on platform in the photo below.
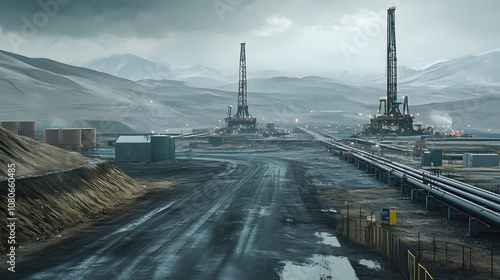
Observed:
{"x":389,"y":119}
{"x":242,"y":121}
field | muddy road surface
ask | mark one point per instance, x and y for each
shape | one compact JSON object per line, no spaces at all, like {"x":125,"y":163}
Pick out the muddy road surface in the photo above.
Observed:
{"x":227,"y":216}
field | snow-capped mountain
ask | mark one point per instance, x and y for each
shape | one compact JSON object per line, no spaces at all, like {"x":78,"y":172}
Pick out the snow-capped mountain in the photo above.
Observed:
{"x":60,"y":95}
{"x":136,"y":68}
{"x":481,"y":69}
{"x":130,"y":67}
{"x":57,"y":94}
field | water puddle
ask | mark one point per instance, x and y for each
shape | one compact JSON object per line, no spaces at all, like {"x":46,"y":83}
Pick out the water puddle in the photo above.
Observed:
{"x":370,"y":264}
{"x":328,"y":239}
{"x":320,"y":267}
{"x":265,"y":211}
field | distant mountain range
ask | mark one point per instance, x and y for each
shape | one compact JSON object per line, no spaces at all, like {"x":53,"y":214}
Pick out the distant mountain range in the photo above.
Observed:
{"x":129,"y":93}
{"x":136,"y":68}
{"x":481,"y":69}
{"x":477,"y":69}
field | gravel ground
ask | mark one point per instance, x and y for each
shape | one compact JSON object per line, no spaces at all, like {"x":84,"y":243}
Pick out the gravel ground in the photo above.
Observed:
{"x":324,"y":183}
{"x":341,"y":182}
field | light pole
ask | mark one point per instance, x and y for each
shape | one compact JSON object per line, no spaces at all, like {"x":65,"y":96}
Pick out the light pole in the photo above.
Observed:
{"x":469,"y":130}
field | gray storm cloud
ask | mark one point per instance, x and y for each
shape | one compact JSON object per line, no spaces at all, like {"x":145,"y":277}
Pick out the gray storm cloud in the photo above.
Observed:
{"x":295,"y":35}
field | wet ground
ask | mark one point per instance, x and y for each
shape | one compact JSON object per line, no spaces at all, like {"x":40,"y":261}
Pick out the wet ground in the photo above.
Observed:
{"x":235,"y":215}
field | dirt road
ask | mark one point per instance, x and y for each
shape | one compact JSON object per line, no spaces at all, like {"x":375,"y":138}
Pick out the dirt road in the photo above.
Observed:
{"x":227,"y":216}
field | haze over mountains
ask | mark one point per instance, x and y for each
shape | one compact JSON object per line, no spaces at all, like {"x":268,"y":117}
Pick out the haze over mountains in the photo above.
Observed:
{"x":128,"y":93}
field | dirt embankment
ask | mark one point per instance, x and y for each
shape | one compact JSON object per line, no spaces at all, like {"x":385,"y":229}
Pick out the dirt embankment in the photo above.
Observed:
{"x":48,"y":200}
{"x":32,"y":157}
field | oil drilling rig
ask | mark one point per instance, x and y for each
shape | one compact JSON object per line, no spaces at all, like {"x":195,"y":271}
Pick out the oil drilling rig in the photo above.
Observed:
{"x":242,"y":121}
{"x":389,"y":119}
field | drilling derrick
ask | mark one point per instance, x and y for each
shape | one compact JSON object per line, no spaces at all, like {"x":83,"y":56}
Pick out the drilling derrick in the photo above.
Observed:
{"x":389,"y":119}
{"x":242,"y":86}
{"x":242,"y":121}
{"x":392,"y":66}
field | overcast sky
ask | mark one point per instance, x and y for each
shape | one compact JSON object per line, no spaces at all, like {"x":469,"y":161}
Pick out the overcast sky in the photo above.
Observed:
{"x":298,"y":36}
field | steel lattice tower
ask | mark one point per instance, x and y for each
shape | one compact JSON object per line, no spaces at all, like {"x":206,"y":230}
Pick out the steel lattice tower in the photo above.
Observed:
{"x":242,"y":87}
{"x":242,"y":121}
{"x":392,"y":67}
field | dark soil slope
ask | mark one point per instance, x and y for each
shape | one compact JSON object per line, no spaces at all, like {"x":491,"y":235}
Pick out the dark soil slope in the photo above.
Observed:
{"x":56,"y":189}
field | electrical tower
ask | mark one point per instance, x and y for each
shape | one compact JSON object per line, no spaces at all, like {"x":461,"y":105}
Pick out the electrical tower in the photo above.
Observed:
{"x":242,"y":121}
{"x":389,"y":119}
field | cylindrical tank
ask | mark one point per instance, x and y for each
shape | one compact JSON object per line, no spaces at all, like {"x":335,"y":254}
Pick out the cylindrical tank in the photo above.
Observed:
{"x":52,"y":136}
{"x":11,"y":126}
{"x":171,"y":148}
{"x":89,"y":140}
{"x":162,"y":148}
{"x":71,"y":139}
{"x":159,"y":147}
{"x":28,"y":129}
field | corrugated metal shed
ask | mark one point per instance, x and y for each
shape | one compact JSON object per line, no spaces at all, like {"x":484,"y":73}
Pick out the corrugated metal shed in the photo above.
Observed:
{"x":133,"y":149}
{"x":480,"y":160}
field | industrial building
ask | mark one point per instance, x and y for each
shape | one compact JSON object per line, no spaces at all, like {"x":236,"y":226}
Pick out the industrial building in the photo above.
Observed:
{"x":432,"y":158}
{"x":481,"y":160}
{"x":144,"y":148}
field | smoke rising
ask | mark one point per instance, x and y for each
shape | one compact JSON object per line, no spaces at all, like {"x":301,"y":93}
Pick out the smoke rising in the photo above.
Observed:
{"x":441,"y":118}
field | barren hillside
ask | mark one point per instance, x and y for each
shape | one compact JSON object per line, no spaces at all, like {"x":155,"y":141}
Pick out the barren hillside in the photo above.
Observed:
{"x":55,"y":189}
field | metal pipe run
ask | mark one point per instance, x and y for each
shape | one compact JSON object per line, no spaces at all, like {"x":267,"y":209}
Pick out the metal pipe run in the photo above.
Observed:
{"x":480,"y":204}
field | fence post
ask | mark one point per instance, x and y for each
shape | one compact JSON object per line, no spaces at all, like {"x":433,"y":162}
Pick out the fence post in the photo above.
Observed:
{"x":360,"y":224}
{"x":347,"y":226}
{"x":356,"y":229}
{"x":419,"y":245}
{"x":342,"y":223}
{"x":371,"y":226}
{"x":388,"y":243}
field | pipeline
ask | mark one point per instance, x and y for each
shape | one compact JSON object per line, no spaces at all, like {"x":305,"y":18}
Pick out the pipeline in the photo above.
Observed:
{"x":478,"y":203}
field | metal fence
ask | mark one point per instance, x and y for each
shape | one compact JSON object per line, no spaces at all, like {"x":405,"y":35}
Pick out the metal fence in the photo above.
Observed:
{"x":412,"y":258}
